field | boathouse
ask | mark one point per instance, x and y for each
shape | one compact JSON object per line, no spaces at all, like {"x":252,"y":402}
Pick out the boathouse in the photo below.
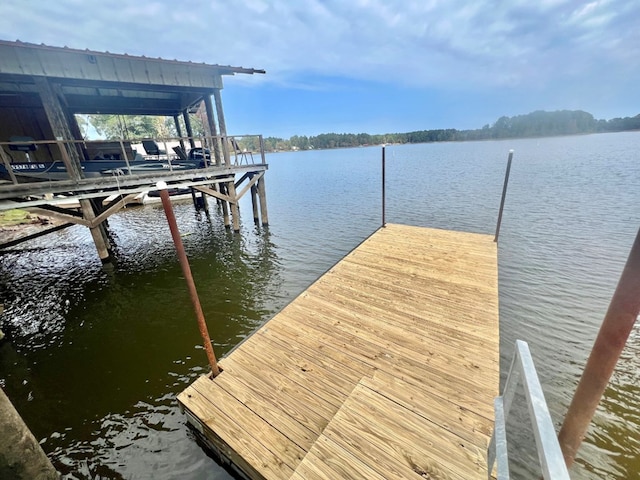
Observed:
{"x":46,"y":163}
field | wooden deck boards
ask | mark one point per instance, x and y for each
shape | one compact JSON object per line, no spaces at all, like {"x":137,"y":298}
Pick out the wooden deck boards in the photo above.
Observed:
{"x":385,"y":367}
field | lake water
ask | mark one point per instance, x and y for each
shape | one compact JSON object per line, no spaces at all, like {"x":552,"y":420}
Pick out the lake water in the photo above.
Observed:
{"x":95,"y":356}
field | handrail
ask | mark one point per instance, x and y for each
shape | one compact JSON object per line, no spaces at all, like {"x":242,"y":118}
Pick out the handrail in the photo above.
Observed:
{"x":52,"y":155}
{"x":548,"y":447}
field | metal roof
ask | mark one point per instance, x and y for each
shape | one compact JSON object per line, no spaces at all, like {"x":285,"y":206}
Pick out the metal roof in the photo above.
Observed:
{"x":103,"y":82}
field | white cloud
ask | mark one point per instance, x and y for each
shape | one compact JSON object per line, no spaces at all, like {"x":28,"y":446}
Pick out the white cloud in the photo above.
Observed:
{"x":431,"y":43}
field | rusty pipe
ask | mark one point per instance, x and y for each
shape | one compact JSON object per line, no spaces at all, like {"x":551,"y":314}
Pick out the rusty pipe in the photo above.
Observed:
{"x":186,"y":270}
{"x":615,"y":329}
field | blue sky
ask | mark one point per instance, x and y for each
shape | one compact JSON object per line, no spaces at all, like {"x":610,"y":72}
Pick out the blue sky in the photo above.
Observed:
{"x":375,"y":66}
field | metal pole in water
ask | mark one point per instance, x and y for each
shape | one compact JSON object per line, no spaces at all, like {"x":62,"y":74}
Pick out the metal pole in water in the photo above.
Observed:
{"x":504,"y":194}
{"x":615,"y":329}
{"x":186,"y":270}
{"x":384,"y":222}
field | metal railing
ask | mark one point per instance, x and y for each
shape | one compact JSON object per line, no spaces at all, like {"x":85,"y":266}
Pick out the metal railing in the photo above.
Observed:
{"x":548,"y":449}
{"x":53,"y":159}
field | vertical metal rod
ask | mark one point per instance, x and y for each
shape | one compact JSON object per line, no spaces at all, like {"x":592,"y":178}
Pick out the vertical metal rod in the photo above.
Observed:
{"x":504,"y":195}
{"x":384,"y":222}
{"x":186,"y":270}
{"x":615,"y":329}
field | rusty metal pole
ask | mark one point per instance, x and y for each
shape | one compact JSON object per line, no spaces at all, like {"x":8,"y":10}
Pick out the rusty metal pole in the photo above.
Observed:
{"x":186,"y":270}
{"x":612,"y":337}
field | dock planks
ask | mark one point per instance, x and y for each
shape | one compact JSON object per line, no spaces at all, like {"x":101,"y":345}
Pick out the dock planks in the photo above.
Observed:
{"x":385,"y":367}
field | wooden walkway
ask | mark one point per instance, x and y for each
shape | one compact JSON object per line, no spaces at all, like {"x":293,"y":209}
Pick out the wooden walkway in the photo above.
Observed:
{"x":386,"y":367}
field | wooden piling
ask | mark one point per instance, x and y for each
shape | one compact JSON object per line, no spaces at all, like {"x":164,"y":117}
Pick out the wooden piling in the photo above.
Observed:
{"x":222,"y":124}
{"x":98,"y":234}
{"x":193,"y":198}
{"x":262,"y":195}
{"x":205,"y":202}
{"x":254,"y":203}
{"x":235,"y":211}
{"x":21,"y":457}
{"x":225,"y":207}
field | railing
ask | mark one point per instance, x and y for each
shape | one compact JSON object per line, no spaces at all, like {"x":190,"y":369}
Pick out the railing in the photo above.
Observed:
{"x":548,"y":449}
{"x":53,"y":159}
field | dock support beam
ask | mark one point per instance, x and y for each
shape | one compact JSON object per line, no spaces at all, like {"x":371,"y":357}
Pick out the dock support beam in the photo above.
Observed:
{"x":254,"y":203}
{"x":211,"y":119}
{"x":262,"y":195}
{"x":225,"y":207}
{"x":98,"y":233}
{"x":222,"y":124}
{"x":59,"y":124}
{"x":187,"y":124}
{"x":235,"y":210}
{"x":615,"y":329}
{"x":21,"y":456}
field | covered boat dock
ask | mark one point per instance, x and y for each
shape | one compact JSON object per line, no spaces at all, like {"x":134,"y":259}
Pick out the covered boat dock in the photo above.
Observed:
{"x":47,"y":163}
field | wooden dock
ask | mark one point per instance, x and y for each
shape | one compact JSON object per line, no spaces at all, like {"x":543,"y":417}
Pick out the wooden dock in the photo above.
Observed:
{"x":385,"y":367}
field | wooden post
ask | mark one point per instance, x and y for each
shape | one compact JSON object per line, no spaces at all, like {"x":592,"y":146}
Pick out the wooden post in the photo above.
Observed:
{"x":61,"y":130}
{"x":504,"y":195}
{"x":262,"y":195}
{"x":187,"y":124}
{"x":21,"y":456}
{"x":222,"y":124}
{"x":615,"y":329}
{"x":176,"y":121}
{"x":225,"y":206}
{"x":205,"y":203}
{"x":264,"y":159}
{"x":97,"y":233}
{"x":235,"y":210}
{"x":7,"y":165}
{"x":211,"y":120}
{"x":254,"y":202}
{"x":193,"y":198}
{"x":216,"y":187}
{"x":186,"y":270}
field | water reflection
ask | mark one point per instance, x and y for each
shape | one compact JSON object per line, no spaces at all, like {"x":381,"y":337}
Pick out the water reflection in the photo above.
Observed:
{"x":97,"y":355}
{"x":94,"y":357}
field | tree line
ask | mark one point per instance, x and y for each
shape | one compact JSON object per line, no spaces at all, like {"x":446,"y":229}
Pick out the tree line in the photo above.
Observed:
{"x":535,"y":124}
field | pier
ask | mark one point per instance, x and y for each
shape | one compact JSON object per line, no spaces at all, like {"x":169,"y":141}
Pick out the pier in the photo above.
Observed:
{"x":385,"y":367}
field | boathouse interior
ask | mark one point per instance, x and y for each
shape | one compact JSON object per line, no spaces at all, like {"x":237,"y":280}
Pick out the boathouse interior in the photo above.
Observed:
{"x":43,"y":88}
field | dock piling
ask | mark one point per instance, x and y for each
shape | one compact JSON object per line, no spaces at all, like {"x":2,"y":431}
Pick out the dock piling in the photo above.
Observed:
{"x":97,"y":233}
{"x":186,"y":270}
{"x":254,"y":203}
{"x":262,"y":195}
